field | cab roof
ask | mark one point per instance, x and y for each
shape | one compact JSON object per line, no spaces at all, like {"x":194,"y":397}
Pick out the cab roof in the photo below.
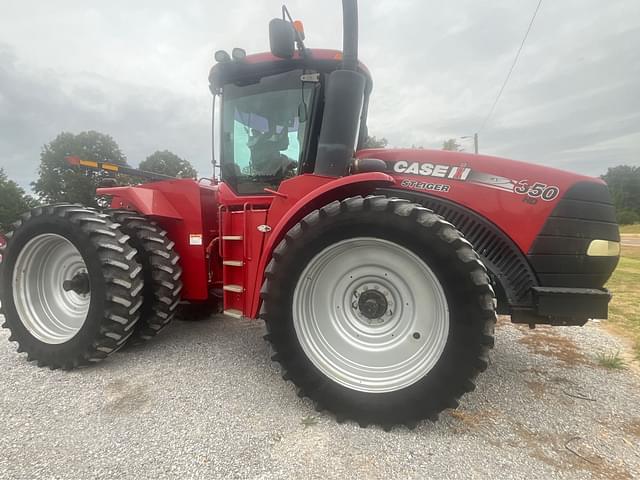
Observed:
{"x":264,"y":64}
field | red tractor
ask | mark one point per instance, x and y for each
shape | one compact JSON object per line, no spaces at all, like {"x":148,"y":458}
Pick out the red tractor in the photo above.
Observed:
{"x":378,"y":272}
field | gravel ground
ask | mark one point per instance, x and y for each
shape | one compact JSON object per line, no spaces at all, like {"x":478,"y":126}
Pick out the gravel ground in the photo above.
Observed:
{"x":204,"y":401}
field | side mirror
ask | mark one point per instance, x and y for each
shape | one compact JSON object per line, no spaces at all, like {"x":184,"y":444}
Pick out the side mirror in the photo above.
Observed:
{"x":281,"y":38}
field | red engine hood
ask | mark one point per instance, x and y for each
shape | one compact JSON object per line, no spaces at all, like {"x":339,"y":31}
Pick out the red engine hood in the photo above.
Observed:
{"x":516,"y":196}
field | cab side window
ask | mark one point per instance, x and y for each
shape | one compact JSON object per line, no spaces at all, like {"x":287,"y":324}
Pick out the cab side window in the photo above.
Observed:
{"x":263,"y":130}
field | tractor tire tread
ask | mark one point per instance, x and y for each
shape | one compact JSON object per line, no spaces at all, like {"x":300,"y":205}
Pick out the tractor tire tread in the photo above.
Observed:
{"x":123,"y":285}
{"x":161,"y":270}
{"x":476,"y":334}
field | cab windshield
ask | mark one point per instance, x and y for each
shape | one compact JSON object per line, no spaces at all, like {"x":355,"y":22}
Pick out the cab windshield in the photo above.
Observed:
{"x":263,"y":131}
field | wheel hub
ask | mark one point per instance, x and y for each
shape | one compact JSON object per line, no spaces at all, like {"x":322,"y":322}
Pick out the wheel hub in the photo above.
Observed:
{"x":79,"y":284}
{"x":372,"y":304}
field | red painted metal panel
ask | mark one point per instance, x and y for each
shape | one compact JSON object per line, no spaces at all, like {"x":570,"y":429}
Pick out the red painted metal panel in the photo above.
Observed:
{"x":144,"y":200}
{"x":508,"y":193}
{"x":296,"y":198}
{"x":177,"y":206}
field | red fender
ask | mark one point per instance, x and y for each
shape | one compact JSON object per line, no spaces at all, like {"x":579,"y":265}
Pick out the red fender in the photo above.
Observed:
{"x":144,"y":200}
{"x":179,"y":206}
{"x":289,"y":207}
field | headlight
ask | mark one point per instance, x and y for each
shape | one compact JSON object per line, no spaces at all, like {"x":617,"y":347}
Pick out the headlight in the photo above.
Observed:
{"x":603,"y":248}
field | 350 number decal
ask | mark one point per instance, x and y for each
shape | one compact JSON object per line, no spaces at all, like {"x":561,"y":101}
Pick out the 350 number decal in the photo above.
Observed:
{"x":537,"y":190}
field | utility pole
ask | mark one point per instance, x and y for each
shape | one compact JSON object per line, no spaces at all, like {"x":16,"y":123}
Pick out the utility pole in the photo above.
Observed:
{"x":475,"y":142}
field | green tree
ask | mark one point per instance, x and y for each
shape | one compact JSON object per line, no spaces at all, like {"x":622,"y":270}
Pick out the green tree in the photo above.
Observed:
{"x":168,"y":163}
{"x":624,"y":185}
{"x":627,"y":217}
{"x":375,"y":142}
{"x":451,"y":145}
{"x":58,"y":182}
{"x":13,"y":201}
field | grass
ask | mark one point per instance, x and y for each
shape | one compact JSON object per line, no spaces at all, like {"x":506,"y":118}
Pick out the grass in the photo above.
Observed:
{"x":624,"y":309}
{"x":634,"y":228}
{"x":610,"y":360}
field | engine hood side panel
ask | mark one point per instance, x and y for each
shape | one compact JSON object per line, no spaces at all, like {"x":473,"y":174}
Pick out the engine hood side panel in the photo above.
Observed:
{"x":517,"y":197}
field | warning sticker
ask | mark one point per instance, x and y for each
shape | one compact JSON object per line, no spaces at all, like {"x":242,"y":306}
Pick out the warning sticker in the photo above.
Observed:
{"x":195,"y":239}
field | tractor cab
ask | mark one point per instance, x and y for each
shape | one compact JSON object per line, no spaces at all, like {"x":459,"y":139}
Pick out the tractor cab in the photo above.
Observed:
{"x":269,"y":110}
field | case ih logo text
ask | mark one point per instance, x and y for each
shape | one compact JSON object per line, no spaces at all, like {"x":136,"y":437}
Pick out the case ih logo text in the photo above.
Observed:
{"x":431,"y":170}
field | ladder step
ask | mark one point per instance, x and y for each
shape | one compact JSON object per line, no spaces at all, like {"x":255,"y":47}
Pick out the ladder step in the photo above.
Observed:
{"x":233,"y":288}
{"x":232,"y":312}
{"x":233,"y":263}
{"x":232,"y":237}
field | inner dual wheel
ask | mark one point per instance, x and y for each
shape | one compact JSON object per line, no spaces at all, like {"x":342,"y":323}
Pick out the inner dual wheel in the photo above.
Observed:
{"x":379,"y":311}
{"x":77,"y":285}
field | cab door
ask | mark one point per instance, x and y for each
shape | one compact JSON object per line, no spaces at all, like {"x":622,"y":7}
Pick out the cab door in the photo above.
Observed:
{"x":265,"y":124}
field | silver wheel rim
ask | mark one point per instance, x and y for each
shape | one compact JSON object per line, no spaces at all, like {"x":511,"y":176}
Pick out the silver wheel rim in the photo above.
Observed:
{"x":363,"y":348}
{"x":49,"y":312}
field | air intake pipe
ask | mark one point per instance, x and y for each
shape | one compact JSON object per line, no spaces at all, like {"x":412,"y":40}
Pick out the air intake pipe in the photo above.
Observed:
{"x":350,"y":35}
{"x":344,"y":97}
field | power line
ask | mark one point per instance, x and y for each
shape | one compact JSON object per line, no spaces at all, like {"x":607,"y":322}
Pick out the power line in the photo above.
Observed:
{"x":515,"y":60}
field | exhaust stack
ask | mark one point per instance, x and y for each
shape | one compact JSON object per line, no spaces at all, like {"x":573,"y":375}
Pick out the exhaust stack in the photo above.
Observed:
{"x":343,"y":103}
{"x":350,"y":35}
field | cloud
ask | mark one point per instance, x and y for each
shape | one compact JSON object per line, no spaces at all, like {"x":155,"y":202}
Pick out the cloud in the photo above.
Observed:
{"x":573,"y":88}
{"x":138,"y":72}
{"x":39,"y":104}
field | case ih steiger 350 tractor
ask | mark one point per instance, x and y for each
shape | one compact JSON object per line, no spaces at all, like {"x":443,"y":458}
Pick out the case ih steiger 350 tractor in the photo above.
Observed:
{"x":378,"y":272}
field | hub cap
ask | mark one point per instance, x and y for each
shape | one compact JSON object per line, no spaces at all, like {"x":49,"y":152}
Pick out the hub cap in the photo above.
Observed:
{"x":370,"y":315}
{"x":373,"y":304}
{"x":51,"y":289}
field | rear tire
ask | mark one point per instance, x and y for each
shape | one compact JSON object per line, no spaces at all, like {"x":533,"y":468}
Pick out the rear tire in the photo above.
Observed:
{"x":335,"y":349}
{"x":161,"y":270}
{"x":71,"y":286}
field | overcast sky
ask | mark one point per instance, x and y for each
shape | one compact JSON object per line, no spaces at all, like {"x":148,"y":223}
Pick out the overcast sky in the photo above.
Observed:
{"x":138,"y":71}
